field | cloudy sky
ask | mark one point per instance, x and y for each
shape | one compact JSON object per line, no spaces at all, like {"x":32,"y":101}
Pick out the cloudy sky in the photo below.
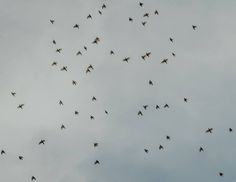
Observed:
{"x":203,"y":71}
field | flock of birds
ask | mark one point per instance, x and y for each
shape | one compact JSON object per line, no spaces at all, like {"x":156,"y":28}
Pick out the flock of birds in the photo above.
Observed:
{"x":90,"y":68}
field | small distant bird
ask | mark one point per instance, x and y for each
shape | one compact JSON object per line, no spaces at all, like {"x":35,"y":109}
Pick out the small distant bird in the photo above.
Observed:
{"x":145,"y":107}
{"x":74,"y":82}
{"x":140,"y":4}
{"x":94,"y":98}
{"x":78,"y":53}
{"x":61,"y":103}
{"x":54,"y":63}
{"x":90,"y":67}
{"x":201,"y":149}
{"x":20,"y":157}
{"x":146,"y":150}
{"x":161,"y":147}
{"x":150,"y":82}
{"x":104,"y":6}
{"x":91,"y":117}
{"x":96,"y":162}
{"x":171,"y":39}
{"x":144,"y":23}
{"x":76,"y":112}
{"x":185,"y":99}
{"x":95,"y":144}
{"x":64,"y":68}
{"x":230,"y":129}
{"x":99,"y":12}
{"x":3,"y":152}
{"x":168,"y":137}
{"x":166,"y":106}
{"x":194,"y":27}
{"x":111,"y":52}
{"x":130,"y":19}
{"x":89,"y":16}
{"x":20,"y":106}
{"x":33,"y":178}
{"x":63,"y":127}
{"x":148,"y":54}
{"x":85,"y":48}
{"x":221,"y":174}
{"x":173,"y":54}
{"x":42,"y":142}
{"x":54,"y":42}
{"x":13,"y":94}
{"x":96,"y":40}
{"x":88,"y":71}
{"x":126,"y":59}
{"x":140,"y":113}
{"x":143,"y":57}
{"x":59,"y":50}
{"x":156,"y":12}
{"x":157,"y":107}
{"x":52,"y":21}
{"x":164,"y":61}
{"x":209,"y":130}
{"x":106,"y":111}
{"x":76,"y":26}
{"x":146,"y":15}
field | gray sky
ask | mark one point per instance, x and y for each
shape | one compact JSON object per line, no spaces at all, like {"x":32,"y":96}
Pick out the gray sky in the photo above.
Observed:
{"x":203,"y":71}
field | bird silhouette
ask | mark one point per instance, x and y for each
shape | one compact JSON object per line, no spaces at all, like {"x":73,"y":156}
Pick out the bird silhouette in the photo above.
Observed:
{"x":126,"y":59}
{"x":91,"y":117}
{"x":3,"y":152}
{"x":52,"y":21}
{"x":99,"y":12}
{"x":168,"y":137}
{"x":54,"y":42}
{"x":185,"y":99}
{"x":150,"y":82}
{"x":20,"y":106}
{"x":95,"y":144}
{"x":76,"y":26}
{"x":161,"y":147}
{"x":164,"y":61}
{"x":173,"y":54}
{"x":144,"y":23}
{"x":171,"y":39}
{"x":145,"y":107}
{"x":61,"y":103}
{"x":54,"y":63}
{"x":20,"y":157}
{"x":96,"y":40}
{"x":156,"y":12}
{"x":76,"y":112}
{"x":59,"y":50}
{"x":221,"y":174}
{"x":146,"y":150}
{"x":230,"y":130}
{"x":89,"y":16}
{"x":194,"y":27}
{"x":209,"y":130}
{"x":33,"y":178}
{"x":143,"y":57}
{"x":94,"y":98}
{"x":112,"y":52}
{"x":64,"y":68}
{"x":13,"y":94}
{"x":74,"y":82}
{"x":140,"y":113}
{"x":140,"y":4}
{"x":157,"y":107}
{"x":63,"y":127}
{"x":166,"y":106}
{"x":96,"y":162}
{"x":201,"y":149}
{"x":148,"y":54}
{"x":130,"y":19}
{"x":106,"y":111}
{"x":104,"y":6}
{"x":41,"y":142}
{"x":146,"y":15}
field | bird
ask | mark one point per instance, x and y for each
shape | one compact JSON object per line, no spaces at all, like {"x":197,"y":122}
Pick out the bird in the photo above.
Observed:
{"x":106,"y":111}
{"x":221,"y":174}
{"x":63,"y":127}
{"x":194,"y":27}
{"x":89,"y":16}
{"x":33,"y":178}
{"x":156,"y":12}
{"x":230,"y":129}
{"x":164,"y":61}
{"x":168,"y":137}
{"x":173,"y":54}
{"x":185,"y":99}
{"x":78,"y":53}
{"x":52,"y":21}
{"x":148,"y":54}
{"x":144,"y":23}
{"x":76,"y":26}
{"x":20,"y":106}
{"x":104,"y":6}
{"x":61,"y":103}
{"x":74,"y":82}
{"x":88,"y":71}
{"x":209,"y":130}
{"x":112,"y":52}
{"x":150,"y":82}
{"x":201,"y":149}
{"x":99,"y":12}
{"x":146,"y":150}
{"x":20,"y":157}
{"x":96,"y":162}
{"x":91,"y":117}
{"x":13,"y":94}
{"x":59,"y":50}
{"x":95,"y":144}
{"x":140,"y":113}
{"x":171,"y":39}
{"x":41,"y":142}
{"x":146,"y":15}
{"x":96,"y":40}
{"x":161,"y":147}
{"x":130,"y":19}
{"x":76,"y":112}
{"x":157,"y":107}
{"x":54,"y":63}
{"x":64,"y":68}
{"x":166,"y":106}
{"x":143,"y":57}
{"x":85,"y":48}
{"x":54,"y":42}
{"x":145,"y":107}
{"x":126,"y":59}
{"x":94,"y":98}
{"x":3,"y":152}
{"x":140,"y":4}
{"x":90,"y":67}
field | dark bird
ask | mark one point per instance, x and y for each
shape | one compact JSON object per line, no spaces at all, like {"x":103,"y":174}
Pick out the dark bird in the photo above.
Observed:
{"x":221,"y":174}
{"x":164,"y":61}
{"x":42,"y":142}
{"x":85,"y":48}
{"x":144,"y":23}
{"x":148,"y":54}
{"x":90,"y":67}
{"x":13,"y":94}
{"x":130,"y":19}
{"x":126,"y":59}
{"x":94,"y":98}
{"x":230,"y":129}
{"x":54,"y":63}
{"x":74,"y":82}
{"x":76,"y":26}
{"x":52,"y":21}
{"x":150,"y":82}
{"x":185,"y":99}
{"x":146,"y":150}
{"x":168,"y":137}
{"x":156,"y":12}
{"x":201,"y":149}
{"x":3,"y":152}
{"x":96,"y":162}
{"x":104,"y":6}
{"x":59,"y":50}
{"x":96,"y":40}
{"x":54,"y":42}
{"x":64,"y":68}
{"x":88,"y":71}
{"x":146,"y":15}
{"x":143,"y":57}
{"x":111,"y":52}
{"x":171,"y":39}
{"x":95,"y":144}
{"x":140,"y":113}
{"x":91,"y":117}
{"x":89,"y":16}
{"x":161,"y":147}
{"x":145,"y":107}
{"x":209,"y":130}
{"x":157,"y":107}
{"x":99,"y":12}
{"x":33,"y":178}
{"x":20,"y":157}
{"x":194,"y":27}
{"x":78,"y":53}
{"x":166,"y":106}
{"x":140,"y":4}
{"x":173,"y":54}
{"x":106,"y":111}
{"x":63,"y":127}
{"x":76,"y":112}
{"x":60,"y":103}
{"x":20,"y":106}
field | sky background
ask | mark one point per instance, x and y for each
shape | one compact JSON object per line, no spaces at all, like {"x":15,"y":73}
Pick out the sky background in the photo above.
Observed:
{"x":203,"y":71}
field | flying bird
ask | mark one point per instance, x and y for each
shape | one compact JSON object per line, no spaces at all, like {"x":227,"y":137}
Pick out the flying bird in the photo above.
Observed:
{"x":112,"y":52}
{"x":64,"y":68}
{"x":146,"y":150}
{"x":161,"y":147}
{"x":166,"y":106}
{"x":140,"y":4}
{"x":230,"y":130}
{"x":201,"y":149}
{"x":157,"y":107}
{"x":95,"y":144}
{"x":194,"y":27}
{"x":96,"y":162}
{"x":146,"y":15}
{"x":104,"y":6}
{"x":144,"y":23}
{"x":171,"y":39}
{"x":20,"y":157}
{"x":185,"y":99}
{"x":106,"y":111}
{"x":41,"y":142}
{"x":99,"y":12}
{"x":140,"y":113}
{"x":52,"y":21}
{"x":96,"y":40}
{"x":76,"y":26}
{"x":33,"y":178}
{"x":150,"y":82}
{"x":54,"y":63}
{"x":91,"y":117}
{"x":145,"y":107}
{"x":74,"y":82}
{"x":63,"y":127}
{"x":89,"y":16}
{"x":76,"y":112}
{"x":94,"y":98}
{"x":59,"y":50}
{"x":221,"y":174}
{"x":168,"y":137}
{"x":126,"y":59}
{"x":209,"y":130}
{"x":156,"y":12}
{"x":173,"y":54}
{"x":13,"y":94}
{"x":130,"y":19}
{"x":60,"y":103}
{"x":20,"y":106}
{"x":3,"y":152}
{"x":78,"y":53}
{"x":54,"y":42}
{"x":148,"y":54}
{"x":164,"y":61}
